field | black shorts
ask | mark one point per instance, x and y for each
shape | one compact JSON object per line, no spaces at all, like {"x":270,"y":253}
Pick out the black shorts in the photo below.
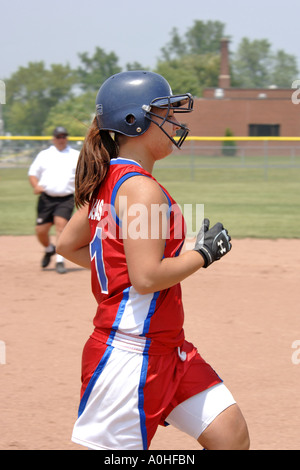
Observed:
{"x":49,"y":207}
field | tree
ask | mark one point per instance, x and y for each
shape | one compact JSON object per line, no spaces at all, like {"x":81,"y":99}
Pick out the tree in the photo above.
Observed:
{"x":204,"y":38}
{"x":252,"y":62}
{"x":135,"y":66}
{"x":284,"y":69}
{"x":75,"y":114}
{"x":192,"y":62}
{"x":229,"y":146}
{"x":256,"y":66}
{"x":201,"y":38}
{"x":31,"y":92}
{"x":38,"y":97}
{"x":96,"y":69}
{"x":180,"y":77}
{"x":191,"y":72}
{"x":175,"y":48}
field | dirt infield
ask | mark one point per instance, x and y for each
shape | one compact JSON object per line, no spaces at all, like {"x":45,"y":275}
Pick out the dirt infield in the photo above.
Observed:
{"x":242,"y":313}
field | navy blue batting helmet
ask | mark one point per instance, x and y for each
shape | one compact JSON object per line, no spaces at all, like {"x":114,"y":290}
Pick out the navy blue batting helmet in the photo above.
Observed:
{"x":126,"y":102}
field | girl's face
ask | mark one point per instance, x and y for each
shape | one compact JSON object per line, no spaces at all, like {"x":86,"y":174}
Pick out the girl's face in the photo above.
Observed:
{"x":162,"y":144}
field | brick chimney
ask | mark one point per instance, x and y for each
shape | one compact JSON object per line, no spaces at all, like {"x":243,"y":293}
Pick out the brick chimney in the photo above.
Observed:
{"x":224,"y":77}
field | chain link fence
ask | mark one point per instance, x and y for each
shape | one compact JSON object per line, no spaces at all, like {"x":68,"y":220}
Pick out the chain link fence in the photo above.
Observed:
{"x":197,"y":153}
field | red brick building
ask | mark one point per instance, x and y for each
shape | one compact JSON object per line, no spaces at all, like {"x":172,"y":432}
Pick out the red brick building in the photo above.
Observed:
{"x":246,"y":112}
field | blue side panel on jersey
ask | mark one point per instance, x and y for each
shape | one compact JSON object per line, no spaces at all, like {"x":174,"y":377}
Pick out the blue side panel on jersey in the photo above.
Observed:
{"x":144,"y":372}
{"x":150,"y":312}
{"x":94,"y":379}
{"x":121,"y":308}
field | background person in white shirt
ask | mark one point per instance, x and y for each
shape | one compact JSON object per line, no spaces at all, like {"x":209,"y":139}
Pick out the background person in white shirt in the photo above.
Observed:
{"x":52,"y":176}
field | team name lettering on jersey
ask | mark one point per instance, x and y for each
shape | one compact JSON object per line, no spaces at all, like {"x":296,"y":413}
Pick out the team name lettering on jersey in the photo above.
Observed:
{"x":96,"y":210}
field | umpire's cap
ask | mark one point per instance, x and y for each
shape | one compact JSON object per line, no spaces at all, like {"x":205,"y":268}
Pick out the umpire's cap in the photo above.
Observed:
{"x":60,"y":131}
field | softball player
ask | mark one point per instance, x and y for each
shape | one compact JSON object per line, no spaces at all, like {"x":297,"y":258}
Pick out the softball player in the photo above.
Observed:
{"x":138,"y":369}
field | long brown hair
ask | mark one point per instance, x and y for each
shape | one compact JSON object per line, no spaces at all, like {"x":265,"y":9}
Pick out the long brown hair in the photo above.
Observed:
{"x":93,"y":162}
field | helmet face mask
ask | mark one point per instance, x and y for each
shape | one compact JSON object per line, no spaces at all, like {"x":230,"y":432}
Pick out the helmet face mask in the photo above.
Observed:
{"x":176,"y":103}
{"x":126,"y":100}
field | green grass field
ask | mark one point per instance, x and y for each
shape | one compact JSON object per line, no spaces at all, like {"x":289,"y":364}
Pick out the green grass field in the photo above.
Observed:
{"x":250,"y":201}
{"x":17,"y":203}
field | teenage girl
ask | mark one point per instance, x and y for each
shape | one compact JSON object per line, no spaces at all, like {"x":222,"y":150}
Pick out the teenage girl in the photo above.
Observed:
{"x":138,"y":370}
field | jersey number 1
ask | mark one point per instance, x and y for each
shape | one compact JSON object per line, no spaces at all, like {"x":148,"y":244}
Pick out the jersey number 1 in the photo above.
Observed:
{"x":96,"y":252}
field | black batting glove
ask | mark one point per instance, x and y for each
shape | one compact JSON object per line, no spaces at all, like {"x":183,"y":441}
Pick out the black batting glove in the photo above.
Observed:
{"x":212,"y":243}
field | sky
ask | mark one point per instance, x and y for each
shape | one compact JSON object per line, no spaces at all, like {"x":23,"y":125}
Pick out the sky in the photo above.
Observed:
{"x":56,"y":31}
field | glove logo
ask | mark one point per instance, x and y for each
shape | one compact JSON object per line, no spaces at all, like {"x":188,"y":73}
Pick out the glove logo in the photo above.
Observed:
{"x":222,"y":248}
{"x":212,"y":243}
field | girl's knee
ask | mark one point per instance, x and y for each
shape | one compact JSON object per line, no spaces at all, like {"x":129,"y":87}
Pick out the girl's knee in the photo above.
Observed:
{"x":228,"y":431}
{"x":241,"y":438}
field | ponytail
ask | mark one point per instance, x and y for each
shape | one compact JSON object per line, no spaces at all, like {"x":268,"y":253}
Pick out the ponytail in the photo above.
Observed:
{"x":93,"y":163}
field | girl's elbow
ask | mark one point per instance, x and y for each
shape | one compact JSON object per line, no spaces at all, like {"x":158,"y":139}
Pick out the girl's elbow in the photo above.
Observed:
{"x":144,"y":290}
{"x":144,"y":286}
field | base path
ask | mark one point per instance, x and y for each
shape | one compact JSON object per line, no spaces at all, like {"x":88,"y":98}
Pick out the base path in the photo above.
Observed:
{"x":243,"y":314}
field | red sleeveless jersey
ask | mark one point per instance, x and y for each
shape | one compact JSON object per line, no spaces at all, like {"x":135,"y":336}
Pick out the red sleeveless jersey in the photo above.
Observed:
{"x":152,"y":322}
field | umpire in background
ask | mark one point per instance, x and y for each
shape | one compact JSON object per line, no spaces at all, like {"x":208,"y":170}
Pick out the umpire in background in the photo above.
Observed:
{"x":52,"y":176}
